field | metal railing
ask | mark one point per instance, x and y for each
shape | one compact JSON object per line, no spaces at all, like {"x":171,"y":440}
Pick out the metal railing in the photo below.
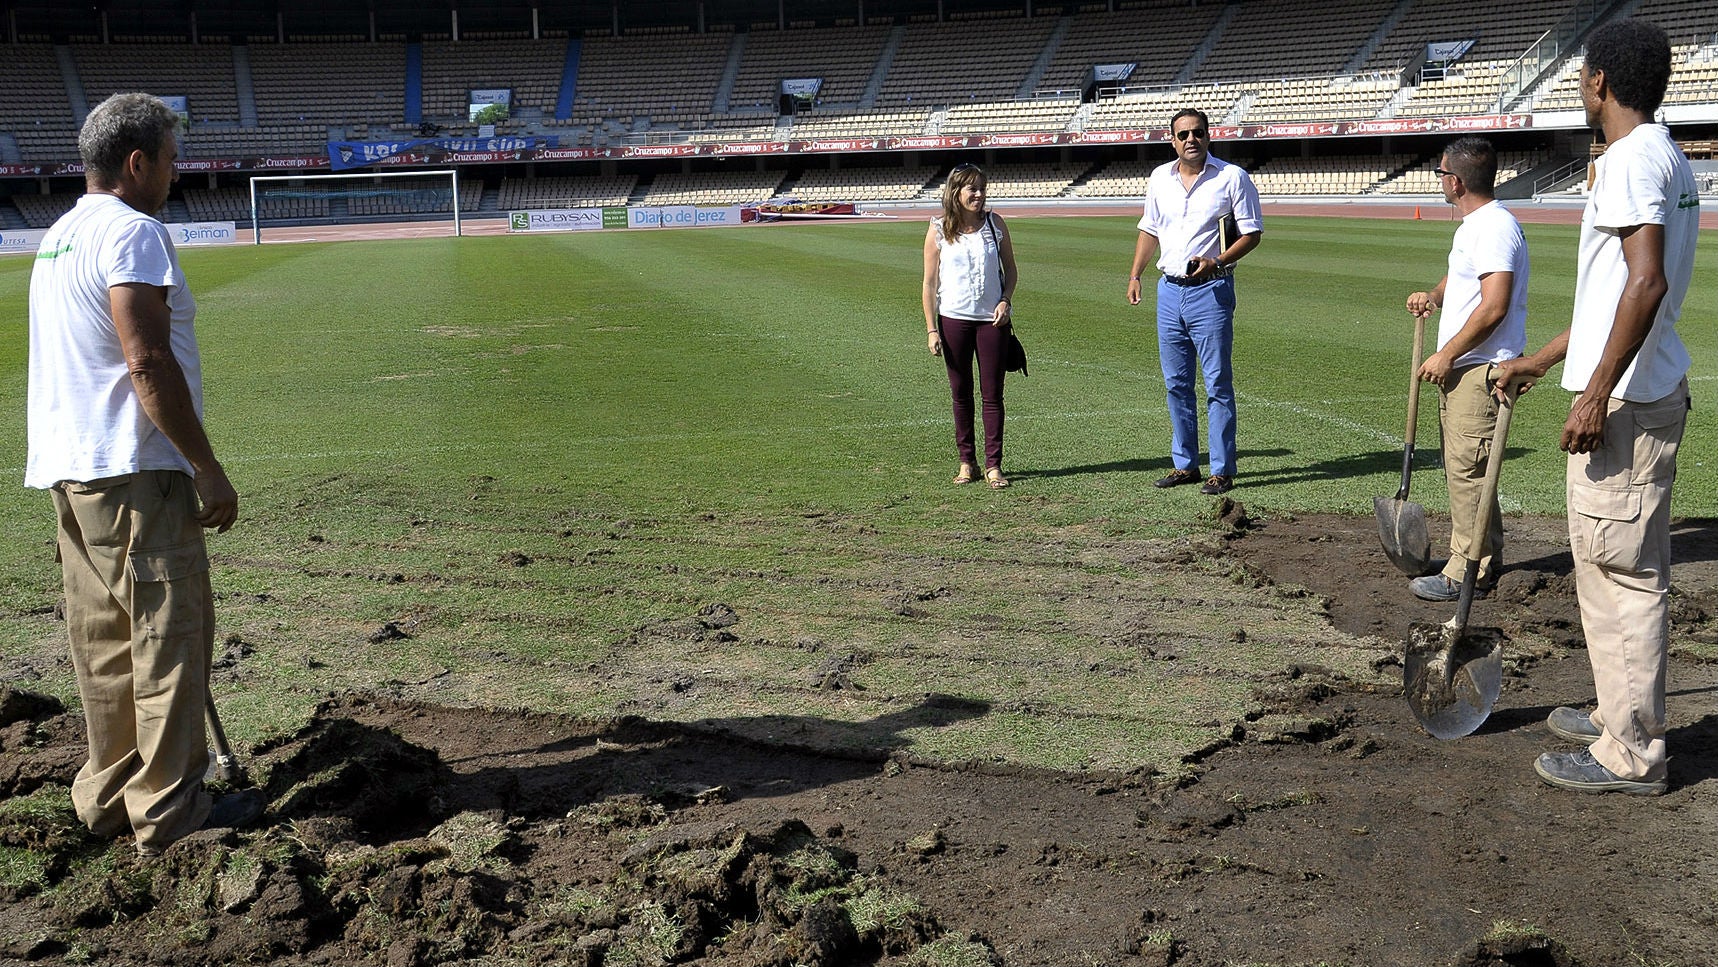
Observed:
{"x":1553,"y":45}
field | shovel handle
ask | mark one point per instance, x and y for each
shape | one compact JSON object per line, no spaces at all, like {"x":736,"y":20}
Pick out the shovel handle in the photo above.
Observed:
{"x":1414,"y":381}
{"x":226,"y":764}
{"x":1413,"y":407}
{"x":1487,"y":503}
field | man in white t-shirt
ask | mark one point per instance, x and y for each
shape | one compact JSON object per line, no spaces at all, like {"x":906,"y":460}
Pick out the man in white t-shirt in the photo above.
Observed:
{"x":1623,"y":358}
{"x":1484,"y":322}
{"x":116,"y":435}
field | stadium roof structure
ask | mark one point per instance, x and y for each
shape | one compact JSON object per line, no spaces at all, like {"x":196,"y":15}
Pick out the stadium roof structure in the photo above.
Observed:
{"x":58,"y":20}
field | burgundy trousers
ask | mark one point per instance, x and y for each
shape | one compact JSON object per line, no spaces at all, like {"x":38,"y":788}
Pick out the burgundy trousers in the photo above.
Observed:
{"x":962,"y":339}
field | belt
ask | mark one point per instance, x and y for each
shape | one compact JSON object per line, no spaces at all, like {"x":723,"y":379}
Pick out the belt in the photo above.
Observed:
{"x":1183,"y":280}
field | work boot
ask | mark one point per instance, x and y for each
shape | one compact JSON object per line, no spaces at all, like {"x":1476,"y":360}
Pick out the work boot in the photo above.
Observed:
{"x":1581,"y":772}
{"x":1573,"y":725}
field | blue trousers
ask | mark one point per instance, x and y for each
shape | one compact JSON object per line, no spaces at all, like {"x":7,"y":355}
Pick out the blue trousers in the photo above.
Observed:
{"x":1195,"y":333}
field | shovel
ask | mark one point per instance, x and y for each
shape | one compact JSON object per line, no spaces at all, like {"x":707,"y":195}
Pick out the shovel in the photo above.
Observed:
{"x":1450,"y":675}
{"x":1401,"y":524}
{"x":226,"y":765}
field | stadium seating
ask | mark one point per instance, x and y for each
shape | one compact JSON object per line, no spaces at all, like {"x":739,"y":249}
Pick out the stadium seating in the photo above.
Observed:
{"x":1153,"y":109}
{"x":531,"y":69}
{"x":1159,"y":40}
{"x":712,"y":188}
{"x":863,"y":184}
{"x":1322,"y":99}
{"x":566,"y":192}
{"x":843,"y":58}
{"x":1031,"y":180}
{"x":1286,"y":38}
{"x":1422,"y":178}
{"x":649,"y":77}
{"x":964,"y":61}
{"x":1333,"y":175}
{"x":1046,"y":115}
{"x":1118,"y":179}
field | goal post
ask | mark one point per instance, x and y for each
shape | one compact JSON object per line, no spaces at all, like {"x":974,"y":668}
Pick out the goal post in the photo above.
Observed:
{"x":370,"y":193}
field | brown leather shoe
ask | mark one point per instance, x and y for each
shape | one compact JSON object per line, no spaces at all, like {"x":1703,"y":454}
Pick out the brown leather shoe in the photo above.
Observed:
{"x":1218,"y":484}
{"x":1176,"y":478}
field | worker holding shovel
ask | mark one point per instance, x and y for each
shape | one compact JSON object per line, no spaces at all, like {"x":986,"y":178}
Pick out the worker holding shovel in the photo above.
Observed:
{"x":1484,"y":322}
{"x":1629,"y":369}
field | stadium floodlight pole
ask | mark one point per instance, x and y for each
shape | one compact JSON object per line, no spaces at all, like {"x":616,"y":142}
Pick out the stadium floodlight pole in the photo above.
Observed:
{"x":256,"y":221}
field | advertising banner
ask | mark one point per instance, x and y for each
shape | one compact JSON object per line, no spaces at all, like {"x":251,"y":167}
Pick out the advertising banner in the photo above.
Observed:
{"x":614,"y":217}
{"x":22,"y":242}
{"x":343,"y":155}
{"x":682,"y":216}
{"x":203,"y":233}
{"x":556,"y":220}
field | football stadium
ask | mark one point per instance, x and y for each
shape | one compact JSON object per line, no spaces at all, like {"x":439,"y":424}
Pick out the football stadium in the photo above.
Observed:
{"x":599,"y":594}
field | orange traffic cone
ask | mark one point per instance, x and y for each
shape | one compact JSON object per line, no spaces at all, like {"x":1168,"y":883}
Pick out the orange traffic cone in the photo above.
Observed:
{"x":1416,"y":213}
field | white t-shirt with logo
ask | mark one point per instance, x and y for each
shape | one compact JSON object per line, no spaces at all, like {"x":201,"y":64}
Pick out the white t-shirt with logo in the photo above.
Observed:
{"x":85,"y":419}
{"x":1488,"y":241}
{"x":1642,"y":179}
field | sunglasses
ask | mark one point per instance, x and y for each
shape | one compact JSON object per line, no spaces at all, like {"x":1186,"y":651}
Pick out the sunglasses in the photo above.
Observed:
{"x":957,"y":169}
{"x":1199,"y":133}
{"x":1441,"y":172}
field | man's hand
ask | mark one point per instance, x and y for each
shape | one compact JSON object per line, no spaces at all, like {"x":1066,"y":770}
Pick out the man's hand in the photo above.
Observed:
{"x":1420,"y":304}
{"x":1208,"y":268}
{"x":220,"y":501}
{"x":1436,"y":369}
{"x":1584,"y":431}
{"x":1135,"y":290}
{"x":1521,"y":372}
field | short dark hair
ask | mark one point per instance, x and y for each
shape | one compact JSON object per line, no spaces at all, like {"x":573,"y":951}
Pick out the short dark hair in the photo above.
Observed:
{"x":1474,"y":161}
{"x":118,"y":126}
{"x":1190,"y":112}
{"x":1635,"y":58}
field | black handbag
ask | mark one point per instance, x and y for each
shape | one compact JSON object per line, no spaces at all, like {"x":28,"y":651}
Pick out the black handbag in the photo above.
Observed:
{"x":1013,"y":354}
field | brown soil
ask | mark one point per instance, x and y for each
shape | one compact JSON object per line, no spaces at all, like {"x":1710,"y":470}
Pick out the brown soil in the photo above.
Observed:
{"x":408,"y":834}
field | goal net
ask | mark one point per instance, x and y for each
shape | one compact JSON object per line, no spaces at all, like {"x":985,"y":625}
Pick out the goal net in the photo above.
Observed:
{"x":417,"y":196}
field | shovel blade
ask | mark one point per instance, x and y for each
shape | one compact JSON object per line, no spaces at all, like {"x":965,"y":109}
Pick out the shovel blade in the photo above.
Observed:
{"x":1402,"y":528}
{"x":1452,"y":678}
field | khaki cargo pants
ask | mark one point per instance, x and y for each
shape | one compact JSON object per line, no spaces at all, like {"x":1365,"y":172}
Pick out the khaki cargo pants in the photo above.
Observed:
{"x":1469,"y":418}
{"x":140,"y":615}
{"x":1619,"y":533}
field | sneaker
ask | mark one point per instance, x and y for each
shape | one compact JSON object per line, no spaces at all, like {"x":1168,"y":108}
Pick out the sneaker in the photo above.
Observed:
{"x":1581,"y":772}
{"x":1176,"y":478}
{"x":1218,"y":484}
{"x":1438,"y":587}
{"x":1573,"y":725}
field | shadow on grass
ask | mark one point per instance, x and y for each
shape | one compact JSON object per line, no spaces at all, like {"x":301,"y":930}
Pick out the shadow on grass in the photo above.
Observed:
{"x":1153,"y":466}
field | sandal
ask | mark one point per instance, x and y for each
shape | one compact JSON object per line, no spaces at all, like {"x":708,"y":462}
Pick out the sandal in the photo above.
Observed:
{"x":966,"y":474}
{"x":994,"y":477}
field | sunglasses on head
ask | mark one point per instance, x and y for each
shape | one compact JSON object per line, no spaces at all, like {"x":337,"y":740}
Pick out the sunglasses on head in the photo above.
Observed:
{"x":957,"y":169}
{"x":1199,"y":133}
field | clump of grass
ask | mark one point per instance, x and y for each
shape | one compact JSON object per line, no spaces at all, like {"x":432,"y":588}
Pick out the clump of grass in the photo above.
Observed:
{"x":953,"y":950}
